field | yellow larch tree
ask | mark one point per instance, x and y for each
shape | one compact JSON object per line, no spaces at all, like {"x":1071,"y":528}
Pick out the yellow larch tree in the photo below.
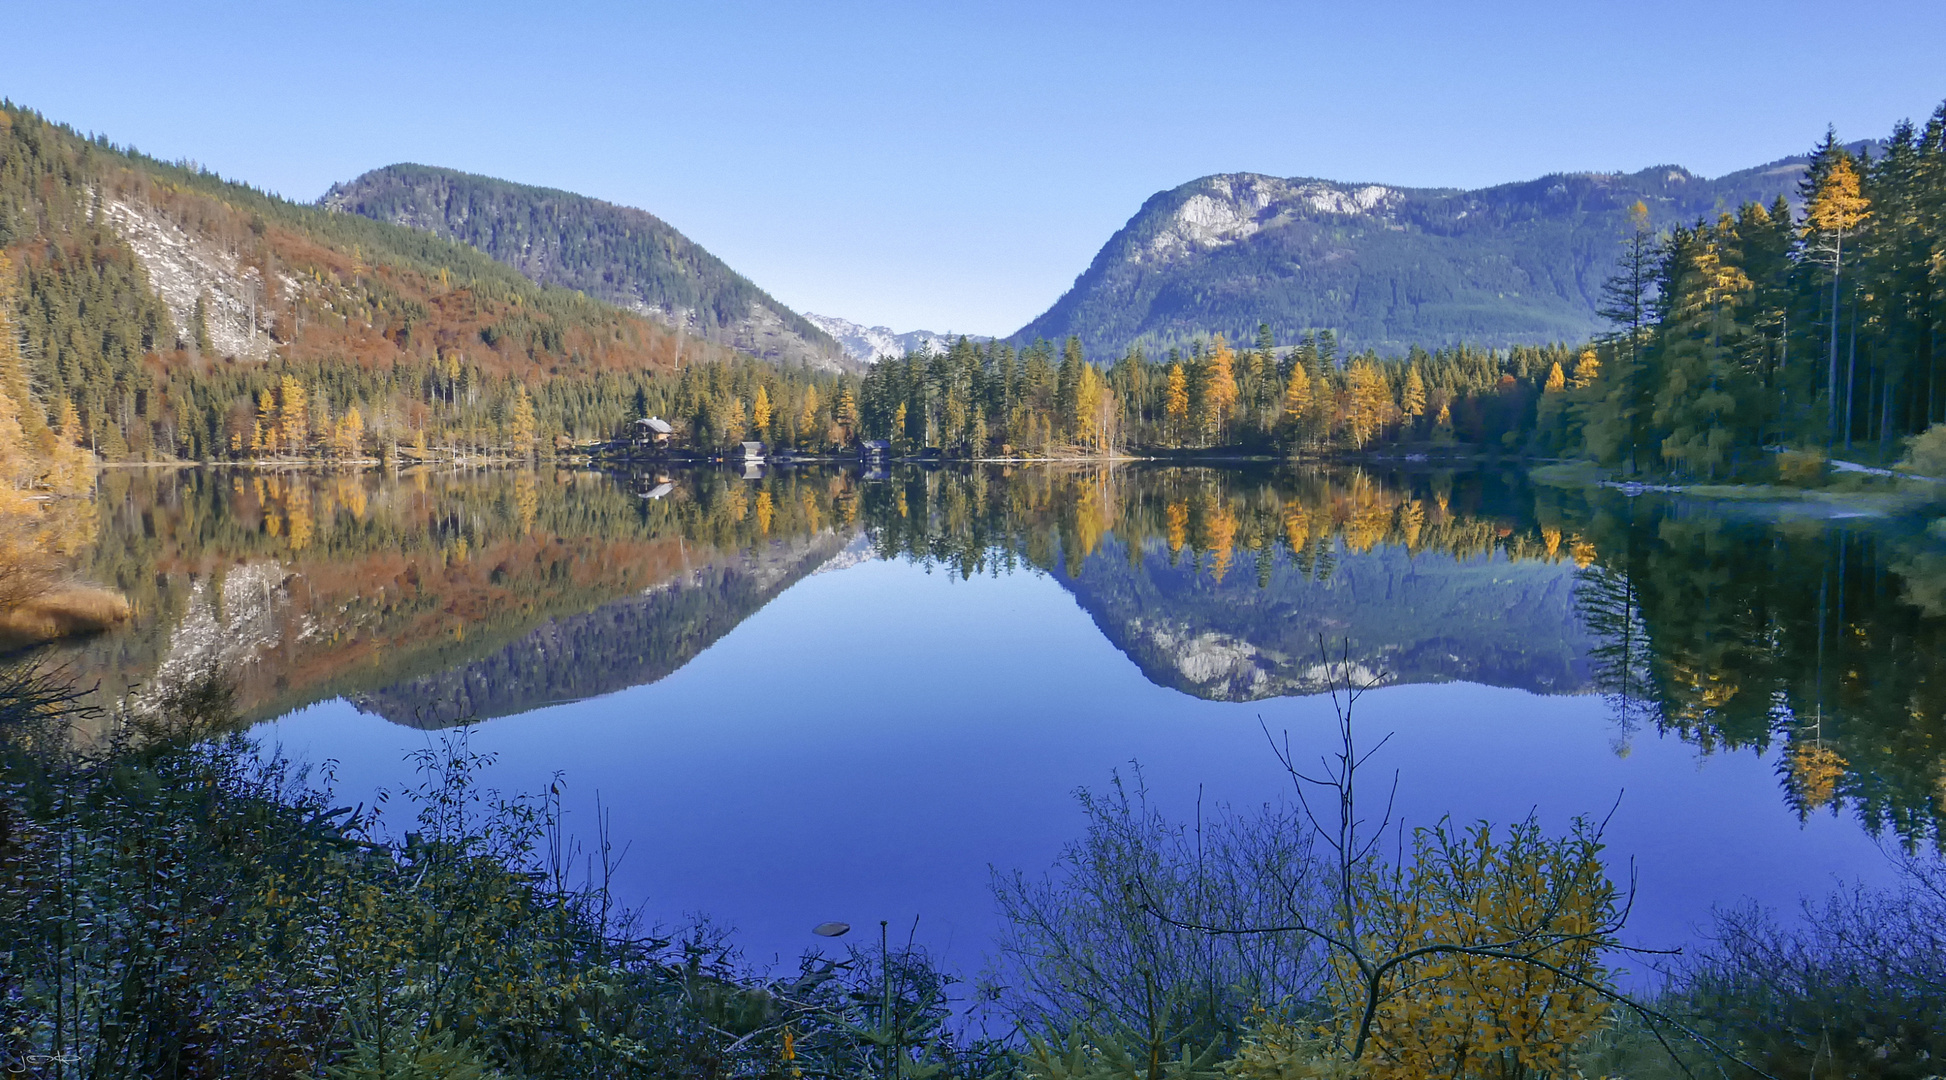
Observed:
{"x":69,"y":466}
{"x":1369,"y":397}
{"x":1557,"y":380}
{"x":1587,"y":368}
{"x":523,"y":430}
{"x":845,"y":413}
{"x":1175,"y":398}
{"x":760,"y":411}
{"x":263,"y":433}
{"x":18,"y":470}
{"x":1095,"y":410}
{"x":807,"y":418}
{"x":1412,"y":398}
{"x":293,"y":416}
{"x":1298,"y":399}
{"x":1220,"y":385}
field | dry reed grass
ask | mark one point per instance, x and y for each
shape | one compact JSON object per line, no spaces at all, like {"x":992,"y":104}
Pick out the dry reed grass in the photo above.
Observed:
{"x":60,"y":612}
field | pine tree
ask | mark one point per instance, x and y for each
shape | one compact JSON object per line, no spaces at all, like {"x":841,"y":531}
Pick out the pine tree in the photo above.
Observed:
{"x":1327,"y":350}
{"x":1067,"y":404}
{"x":199,"y":325}
{"x":1617,"y":428}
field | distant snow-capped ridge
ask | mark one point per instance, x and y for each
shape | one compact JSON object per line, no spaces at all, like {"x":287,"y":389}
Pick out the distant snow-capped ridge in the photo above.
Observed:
{"x":870,"y":344}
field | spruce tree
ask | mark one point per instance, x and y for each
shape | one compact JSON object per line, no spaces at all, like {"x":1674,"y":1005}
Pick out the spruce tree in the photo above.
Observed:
{"x":1618,"y":424}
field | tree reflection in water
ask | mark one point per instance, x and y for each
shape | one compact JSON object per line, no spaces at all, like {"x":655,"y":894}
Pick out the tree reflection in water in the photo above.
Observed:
{"x":430,"y":597}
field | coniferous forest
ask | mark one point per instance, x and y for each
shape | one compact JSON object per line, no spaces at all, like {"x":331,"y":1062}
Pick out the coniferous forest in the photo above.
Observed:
{"x":1811,"y":322}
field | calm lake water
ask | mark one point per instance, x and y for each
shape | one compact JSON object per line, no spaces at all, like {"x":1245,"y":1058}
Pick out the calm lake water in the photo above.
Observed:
{"x":815,"y":695}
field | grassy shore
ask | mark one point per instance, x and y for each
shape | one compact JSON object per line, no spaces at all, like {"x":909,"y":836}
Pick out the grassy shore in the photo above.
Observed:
{"x":62,"y":612}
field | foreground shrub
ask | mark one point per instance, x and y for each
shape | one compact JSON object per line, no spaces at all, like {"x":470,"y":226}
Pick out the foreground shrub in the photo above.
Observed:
{"x":1802,"y":468}
{"x":1857,"y":987}
{"x":1481,"y":957}
{"x":1083,"y":960}
{"x":182,"y":908}
{"x":1925,"y":453}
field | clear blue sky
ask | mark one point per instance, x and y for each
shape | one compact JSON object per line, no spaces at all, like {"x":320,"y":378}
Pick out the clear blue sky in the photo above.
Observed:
{"x":954,"y":166}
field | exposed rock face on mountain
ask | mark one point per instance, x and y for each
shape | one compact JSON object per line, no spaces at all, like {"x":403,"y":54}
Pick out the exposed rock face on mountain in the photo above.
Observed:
{"x":1382,"y":266}
{"x":186,"y":270}
{"x":870,"y":344}
{"x":1423,"y":618}
{"x":619,"y":254}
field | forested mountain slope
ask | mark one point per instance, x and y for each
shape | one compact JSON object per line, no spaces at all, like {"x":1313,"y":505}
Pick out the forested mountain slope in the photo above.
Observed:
{"x":1385,"y":267}
{"x":625,"y":256}
{"x":182,"y":315}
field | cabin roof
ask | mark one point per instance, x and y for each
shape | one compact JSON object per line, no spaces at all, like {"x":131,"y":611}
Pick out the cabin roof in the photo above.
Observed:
{"x":656,"y":424}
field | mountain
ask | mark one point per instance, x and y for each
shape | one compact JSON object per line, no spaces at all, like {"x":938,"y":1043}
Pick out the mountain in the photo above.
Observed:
{"x":1385,"y":267}
{"x":163,"y":301}
{"x":619,"y":254}
{"x":870,"y":344}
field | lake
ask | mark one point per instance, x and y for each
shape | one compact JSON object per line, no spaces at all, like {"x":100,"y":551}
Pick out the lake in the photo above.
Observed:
{"x":815,"y":694}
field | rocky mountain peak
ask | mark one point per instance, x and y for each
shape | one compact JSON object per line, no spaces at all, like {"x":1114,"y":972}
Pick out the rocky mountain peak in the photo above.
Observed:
{"x":870,"y":344}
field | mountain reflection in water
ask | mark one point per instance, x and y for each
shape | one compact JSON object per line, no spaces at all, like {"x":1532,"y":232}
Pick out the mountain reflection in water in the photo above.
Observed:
{"x":438,"y":598}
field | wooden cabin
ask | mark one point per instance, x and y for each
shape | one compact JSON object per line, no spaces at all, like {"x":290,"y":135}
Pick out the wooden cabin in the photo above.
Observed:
{"x":653,"y":431}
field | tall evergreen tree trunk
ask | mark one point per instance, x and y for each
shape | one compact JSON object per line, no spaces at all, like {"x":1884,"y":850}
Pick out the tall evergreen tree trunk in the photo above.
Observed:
{"x":1884,"y":415}
{"x":1831,"y":381}
{"x":1851,"y":377}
